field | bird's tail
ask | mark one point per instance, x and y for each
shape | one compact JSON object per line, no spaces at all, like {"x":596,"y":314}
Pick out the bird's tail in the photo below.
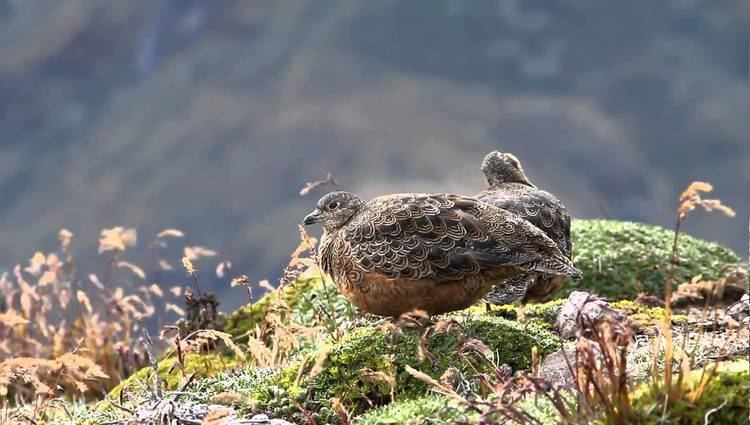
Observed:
{"x":557,"y":266}
{"x":510,"y":290}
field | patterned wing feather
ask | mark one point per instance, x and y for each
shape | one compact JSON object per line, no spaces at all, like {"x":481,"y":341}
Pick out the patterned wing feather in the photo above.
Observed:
{"x":539,"y":207}
{"x":438,"y":237}
{"x":512,"y":290}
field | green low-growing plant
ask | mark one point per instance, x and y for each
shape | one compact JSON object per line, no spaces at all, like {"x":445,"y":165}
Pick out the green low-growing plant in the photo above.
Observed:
{"x":368,"y":367}
{"x":644,"y":316}
{"x":545,"y":314}
{"x":542,"y":314}
{"x":621,"y":259}
{"x":427,"y":410}
{"x":300,"y":302}
{"x":203,"y":365}
{"x":723,"y":399}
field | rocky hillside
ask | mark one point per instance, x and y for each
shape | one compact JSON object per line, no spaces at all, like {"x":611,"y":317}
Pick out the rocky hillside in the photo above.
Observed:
{"x":210,"y":115}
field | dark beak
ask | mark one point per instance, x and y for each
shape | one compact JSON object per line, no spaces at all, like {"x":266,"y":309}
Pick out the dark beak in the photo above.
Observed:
{"x":312,"y":218}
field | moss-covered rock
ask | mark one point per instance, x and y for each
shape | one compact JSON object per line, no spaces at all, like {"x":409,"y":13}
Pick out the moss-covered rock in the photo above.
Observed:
{"x":360,"y":369}
{"x":620,"y":259}
{"x":203,"y":365}
{"x":427,"y":410}
{"x":300,"y":302}
{"x":727,"y":392}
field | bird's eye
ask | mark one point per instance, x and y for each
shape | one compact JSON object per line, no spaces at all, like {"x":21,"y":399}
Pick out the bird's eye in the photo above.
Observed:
{"x":333,"y":205}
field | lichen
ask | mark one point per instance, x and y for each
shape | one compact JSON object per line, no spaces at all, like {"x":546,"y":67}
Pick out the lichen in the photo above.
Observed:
{"x":620,"y":259}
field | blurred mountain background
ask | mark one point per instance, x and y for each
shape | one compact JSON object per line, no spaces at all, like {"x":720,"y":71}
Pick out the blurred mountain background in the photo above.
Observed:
{"x":210,"y":115}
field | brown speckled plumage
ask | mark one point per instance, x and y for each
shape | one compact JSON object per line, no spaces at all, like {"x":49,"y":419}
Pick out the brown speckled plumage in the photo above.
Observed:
{"x":510,"y":189}
{"x":433,"y":252}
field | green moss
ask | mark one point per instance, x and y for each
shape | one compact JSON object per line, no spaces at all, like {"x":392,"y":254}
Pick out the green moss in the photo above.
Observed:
{"x":620,"y":259}
{"x":372,"y":349}
{"x":427,"y":410}
{"x":299,"y":302}
{"x":543,"y":314}
{"x":203,"y":365}
{"x":728,"y":390}
{"x":544,"y":411}
{"x":546,"y":311}
{"x":644,"y":316}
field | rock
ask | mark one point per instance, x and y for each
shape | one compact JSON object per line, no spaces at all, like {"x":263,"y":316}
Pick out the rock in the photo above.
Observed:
{"x":740,"y":311}
{"x":260,"y":419}
{"x":557,"y":370}
{"x":581,"y":312}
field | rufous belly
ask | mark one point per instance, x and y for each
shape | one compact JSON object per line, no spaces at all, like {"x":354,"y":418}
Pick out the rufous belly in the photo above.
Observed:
{"x":393,"y":297}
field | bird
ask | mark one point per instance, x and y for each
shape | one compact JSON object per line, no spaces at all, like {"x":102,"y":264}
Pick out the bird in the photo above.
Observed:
{"x":434,"y":253}
{"x":510,"y":189}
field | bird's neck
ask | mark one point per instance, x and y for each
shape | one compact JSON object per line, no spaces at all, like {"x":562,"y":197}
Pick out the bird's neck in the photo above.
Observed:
{"x":505,"y":183}
{"x":323,"y":247}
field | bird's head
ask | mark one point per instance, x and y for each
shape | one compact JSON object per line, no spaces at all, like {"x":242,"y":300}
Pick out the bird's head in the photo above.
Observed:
{"x":334,"y":210}
{"x":501,"y":168}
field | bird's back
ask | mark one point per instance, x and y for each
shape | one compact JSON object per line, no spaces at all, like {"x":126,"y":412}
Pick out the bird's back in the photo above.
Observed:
{"x":539,"y":207}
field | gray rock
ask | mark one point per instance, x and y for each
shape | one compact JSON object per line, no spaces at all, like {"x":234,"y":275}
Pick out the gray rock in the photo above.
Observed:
{"x":581,"y":311}
{"x":740,"y":311}
{"x":557,"y":370}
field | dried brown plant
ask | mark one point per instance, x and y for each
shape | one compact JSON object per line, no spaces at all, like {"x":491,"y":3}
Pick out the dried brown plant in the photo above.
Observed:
{"x":690,"y":199}
{"x":310,"y":186}
{"x":29,"y":377}
{"x":48,"y":312}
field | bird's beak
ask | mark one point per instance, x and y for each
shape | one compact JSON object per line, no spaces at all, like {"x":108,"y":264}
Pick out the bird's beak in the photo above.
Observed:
{"x":312,"y":218}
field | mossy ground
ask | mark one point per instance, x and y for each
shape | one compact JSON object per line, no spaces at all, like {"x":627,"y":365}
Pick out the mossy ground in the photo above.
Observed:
{"x":358,"y":368}
{"x":647,"y":317}
{"x":426,"y":410}
{"x":544,"y":314}
{"x":203,"y":365}
{"x":728,"y":393}
{"x":621,"y":259}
